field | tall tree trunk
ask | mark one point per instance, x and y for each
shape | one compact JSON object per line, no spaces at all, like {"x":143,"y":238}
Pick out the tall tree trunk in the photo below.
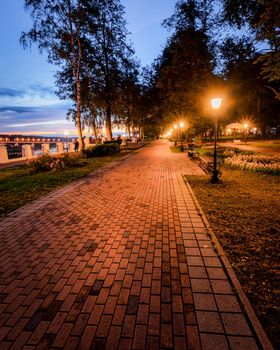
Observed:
{"x":76,"y":68}
{"x":108,"y":123}
{"x":78,"y":116}
{"x":94,"y":129}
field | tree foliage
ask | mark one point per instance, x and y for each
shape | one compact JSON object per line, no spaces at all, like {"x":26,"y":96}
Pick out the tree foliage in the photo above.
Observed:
{"x":264,"y":19}
{"x":185,"y":68}
{"x":87,"y":40}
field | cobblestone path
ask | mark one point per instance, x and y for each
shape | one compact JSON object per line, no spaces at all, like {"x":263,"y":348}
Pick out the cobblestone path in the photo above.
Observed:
{"x":118,"y":260}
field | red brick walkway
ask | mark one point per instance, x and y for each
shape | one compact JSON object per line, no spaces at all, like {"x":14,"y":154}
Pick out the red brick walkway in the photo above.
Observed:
{"x":118,"y":260}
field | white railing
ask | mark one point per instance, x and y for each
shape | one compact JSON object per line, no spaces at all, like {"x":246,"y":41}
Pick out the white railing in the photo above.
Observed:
{"x":28,"y":152}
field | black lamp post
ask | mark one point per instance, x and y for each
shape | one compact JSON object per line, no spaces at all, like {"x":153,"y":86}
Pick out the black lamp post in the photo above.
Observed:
{"x":66,"y":133}
{"x":181,"y":136}
{"x":245,"y":132}
{"x":216,"y":104}
{"x":176,"y":134}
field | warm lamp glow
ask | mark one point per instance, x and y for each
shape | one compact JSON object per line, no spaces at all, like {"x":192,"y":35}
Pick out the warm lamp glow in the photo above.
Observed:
{"x":181,"y":125}
{"x":175,"y":126}
{"x":245,"y":126}
{"x":216,"y":103}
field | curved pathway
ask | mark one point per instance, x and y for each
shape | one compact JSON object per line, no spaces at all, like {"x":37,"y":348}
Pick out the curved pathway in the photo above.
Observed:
{"x":119,"y":260}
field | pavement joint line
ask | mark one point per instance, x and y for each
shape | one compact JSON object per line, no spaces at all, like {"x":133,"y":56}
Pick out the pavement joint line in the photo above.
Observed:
{"x":250,"y":313}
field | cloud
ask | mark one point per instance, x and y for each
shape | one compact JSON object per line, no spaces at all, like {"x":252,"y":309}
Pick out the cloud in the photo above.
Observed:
{"x":14,"y":119}
{"x":35,"y":107}
{"x":16,"y":110}
{"x":37,"y":89}
{"x":41,"y":89}
{"x":7,"y":92}
{"x":50,"y":122}
{"x":32,"y":95}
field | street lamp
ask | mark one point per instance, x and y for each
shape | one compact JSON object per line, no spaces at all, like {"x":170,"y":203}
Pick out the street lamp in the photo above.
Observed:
{"x":245,"y":133}
{"x":66,"y":134}
{"x":216,"y":104}
{"x":181,"y":136}
{"x":176,"y":134}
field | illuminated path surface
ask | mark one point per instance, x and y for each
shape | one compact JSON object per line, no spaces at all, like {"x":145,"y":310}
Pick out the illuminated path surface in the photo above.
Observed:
{"x":118,"y":260}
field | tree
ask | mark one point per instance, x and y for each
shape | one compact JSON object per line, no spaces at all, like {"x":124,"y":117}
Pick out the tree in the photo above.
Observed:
{"x":264,"y":18}
{"x":192,"y":14}
{"x":60,"y":27}
{"x":185,"y":67}
{"x":87,"y":40}
{"x":251,"y":98}
{"x":109,"y":57}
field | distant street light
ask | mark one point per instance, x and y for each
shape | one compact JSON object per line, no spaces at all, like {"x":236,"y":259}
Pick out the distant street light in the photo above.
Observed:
{"x":66,"y":134}
{"x":176,"y":134}
{"x":216,"y":104}
{"x":181,"y":136}
{"x":245,"y":132}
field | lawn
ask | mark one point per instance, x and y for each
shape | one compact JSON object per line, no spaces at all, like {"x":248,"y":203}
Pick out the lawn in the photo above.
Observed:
{"x":275,"y":145}
{"x":19,"y":187}
{"x":244,"y":213}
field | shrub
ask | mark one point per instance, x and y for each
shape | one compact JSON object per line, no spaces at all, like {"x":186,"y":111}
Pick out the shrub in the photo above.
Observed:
{"x":119,"y":142}
{"x":100,"y":150}
{"x":47,"y":162}
{"x":42,"y":163}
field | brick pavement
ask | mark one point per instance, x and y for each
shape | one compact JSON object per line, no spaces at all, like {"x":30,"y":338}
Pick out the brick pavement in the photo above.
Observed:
{"x":119,"y":260}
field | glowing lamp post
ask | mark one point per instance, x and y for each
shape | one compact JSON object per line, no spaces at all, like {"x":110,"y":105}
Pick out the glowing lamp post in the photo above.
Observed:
{"x":181,"y":136}
{"x":216,"y":104}
{"x":176,"y":135}
{"x":66,"y":134}
{"x":245,"y":132}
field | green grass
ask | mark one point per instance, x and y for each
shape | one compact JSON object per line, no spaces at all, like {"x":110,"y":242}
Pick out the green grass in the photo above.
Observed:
{"x":265,"y":144}
{"x":19,"y":187}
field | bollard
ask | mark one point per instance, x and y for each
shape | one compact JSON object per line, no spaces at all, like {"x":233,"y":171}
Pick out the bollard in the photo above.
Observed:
{"x":71,"y":147}
{"x":59,"y":147}
{"x":46,"y":148}
{"x":27,"y":151}
{"x":3,"y":154}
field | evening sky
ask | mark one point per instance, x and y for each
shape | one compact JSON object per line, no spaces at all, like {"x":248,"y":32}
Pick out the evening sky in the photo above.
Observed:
{"x":27,"y":91}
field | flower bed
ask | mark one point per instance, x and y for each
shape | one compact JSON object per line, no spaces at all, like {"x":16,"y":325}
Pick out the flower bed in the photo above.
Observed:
{"x":222,"y":152}
{"x":258,"y":163}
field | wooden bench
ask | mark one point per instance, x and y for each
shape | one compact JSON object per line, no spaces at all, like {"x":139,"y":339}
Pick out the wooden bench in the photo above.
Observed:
{"x":193,"y":154}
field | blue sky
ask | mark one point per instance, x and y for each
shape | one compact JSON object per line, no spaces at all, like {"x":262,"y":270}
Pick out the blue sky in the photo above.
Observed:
{"x":27,"y":99}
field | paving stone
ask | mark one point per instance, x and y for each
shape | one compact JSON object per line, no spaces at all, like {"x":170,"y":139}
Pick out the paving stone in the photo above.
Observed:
{"x":209,"y":322}
{"x":214,"y":341}
{"x":235,"y":324}
{"x":221,"y":287}
{"x":128,"y":265}
{"x":203,"y":301}
{"x":227,"y":303}
{"x":193,"y":337}
{"x":166,"y":337}
{"x":247,"y":343}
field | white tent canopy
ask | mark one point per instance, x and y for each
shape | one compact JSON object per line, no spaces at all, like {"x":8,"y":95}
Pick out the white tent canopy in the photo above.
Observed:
{"x":236,"y":126}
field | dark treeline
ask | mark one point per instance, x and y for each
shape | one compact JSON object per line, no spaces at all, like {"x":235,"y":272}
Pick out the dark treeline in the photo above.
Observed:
{"x":230,"y":47}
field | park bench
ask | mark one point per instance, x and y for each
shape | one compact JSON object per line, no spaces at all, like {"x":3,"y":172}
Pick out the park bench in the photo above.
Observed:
{"x":193,"y":154}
